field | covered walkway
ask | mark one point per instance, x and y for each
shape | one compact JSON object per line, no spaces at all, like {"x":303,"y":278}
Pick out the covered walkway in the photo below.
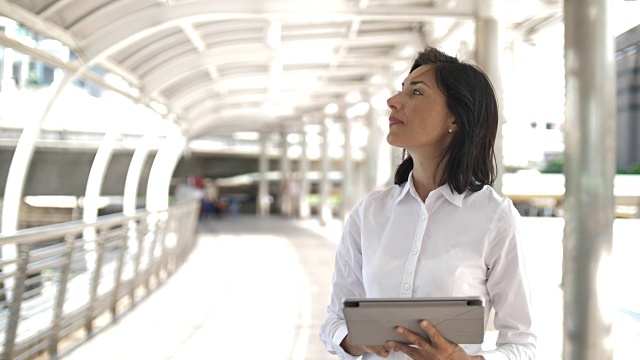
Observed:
{"x":257,"y":288}
{"x":126,"y":107}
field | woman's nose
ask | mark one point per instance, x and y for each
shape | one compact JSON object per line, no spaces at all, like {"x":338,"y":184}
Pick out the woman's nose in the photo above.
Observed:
{"x":392,"y":103}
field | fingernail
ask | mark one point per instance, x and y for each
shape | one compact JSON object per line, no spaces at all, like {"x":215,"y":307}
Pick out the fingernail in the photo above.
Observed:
{"x":399,"y":330}
{"x":425,"y":323}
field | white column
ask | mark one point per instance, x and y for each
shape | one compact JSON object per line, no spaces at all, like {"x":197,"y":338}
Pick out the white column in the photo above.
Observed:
{"x":285,"y":177}
{"x":17,"y":176}
{"x":20,"y":163}
{"x":19,"y":168}
{"x":24,"y":70}
{"x":129,"y":197}
{"x":8,"y":83}
{"x":325,"y":206}
{"x":90,"y":202}
{"x":98,"y":170}
{"x":133,"y":175}
{"x":488,"y":51}
{"x":159,"y":184}
{"x":262,"y":202}
{"x":590,"y":128}
{"x":305,"y":187}
{"x":347,"y":171}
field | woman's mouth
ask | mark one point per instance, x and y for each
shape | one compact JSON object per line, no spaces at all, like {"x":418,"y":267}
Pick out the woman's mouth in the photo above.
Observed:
{"x":394,"y":121}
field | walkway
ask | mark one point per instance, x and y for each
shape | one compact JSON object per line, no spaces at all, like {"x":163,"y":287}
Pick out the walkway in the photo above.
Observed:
{"x":252,"y":288}
{"x":258,"y":288}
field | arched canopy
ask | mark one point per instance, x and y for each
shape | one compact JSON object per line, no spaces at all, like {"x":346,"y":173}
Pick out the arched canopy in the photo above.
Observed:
{"x":222,"y":66}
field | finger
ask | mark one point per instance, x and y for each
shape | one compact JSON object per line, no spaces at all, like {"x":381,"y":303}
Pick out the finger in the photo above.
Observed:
{"x":412,"y":352}
{"x":437,"y":340}
{"x":382,"y":351}
{"x":421,"y":342}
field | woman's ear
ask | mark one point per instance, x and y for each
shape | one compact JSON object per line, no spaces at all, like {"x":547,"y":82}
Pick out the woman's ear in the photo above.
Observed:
{"x":453,"y":125}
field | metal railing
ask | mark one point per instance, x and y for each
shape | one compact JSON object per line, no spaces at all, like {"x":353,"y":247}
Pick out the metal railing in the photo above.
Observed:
{"x":70,"y":280}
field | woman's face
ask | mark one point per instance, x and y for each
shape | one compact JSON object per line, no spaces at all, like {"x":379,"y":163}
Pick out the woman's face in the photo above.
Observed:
{"x":420,"y":120}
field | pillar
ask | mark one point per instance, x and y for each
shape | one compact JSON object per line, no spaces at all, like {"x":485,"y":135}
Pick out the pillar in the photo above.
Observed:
{"x":325,"y":186}
{"x":590,"y":127}
{"x":285,"y":177}
{"x":305,"y":187}
{"x":165,"y":162}
{"x":488,"y":51}
{"x":8,"y":83}
{"x":134,"y":172}
{"x":347,"y":171}
{"x":263,"y":203}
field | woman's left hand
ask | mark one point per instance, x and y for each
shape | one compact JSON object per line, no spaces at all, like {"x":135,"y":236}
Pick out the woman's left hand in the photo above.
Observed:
{"x":438,"y":348}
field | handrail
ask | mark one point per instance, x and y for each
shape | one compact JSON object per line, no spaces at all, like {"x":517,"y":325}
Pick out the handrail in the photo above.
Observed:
{"x":70,"y":280}
{"x":25,"y":235}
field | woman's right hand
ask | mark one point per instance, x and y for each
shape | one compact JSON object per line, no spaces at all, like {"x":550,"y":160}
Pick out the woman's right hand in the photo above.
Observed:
{"x":382,"y":351}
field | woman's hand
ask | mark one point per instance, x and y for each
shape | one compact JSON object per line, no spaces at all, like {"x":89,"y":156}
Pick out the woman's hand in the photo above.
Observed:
{"x":382,"y":351}
{"x":438,"y":348}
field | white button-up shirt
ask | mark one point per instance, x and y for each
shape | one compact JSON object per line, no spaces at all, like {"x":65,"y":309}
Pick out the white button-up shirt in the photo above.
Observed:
{"x":396,"y":245}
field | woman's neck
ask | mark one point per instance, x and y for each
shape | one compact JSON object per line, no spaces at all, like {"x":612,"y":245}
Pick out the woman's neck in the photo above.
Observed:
{"x":426,"y":175}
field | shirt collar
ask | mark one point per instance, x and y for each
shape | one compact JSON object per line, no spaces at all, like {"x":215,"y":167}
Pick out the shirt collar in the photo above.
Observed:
{"x":405,"y":189}
{"x":450,"y":195}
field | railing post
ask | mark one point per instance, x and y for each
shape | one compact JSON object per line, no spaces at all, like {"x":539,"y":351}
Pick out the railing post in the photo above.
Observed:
{"x":160,"y":244}
{"x":190,"y":232}
{"x":16,"y":301}
{"x":158,"y":231}
{"x":95,"y":280}
{"x":58,"y":306}
{"x":141,"y":233}
{"x":174,"y":226}
{"x":124,"y":246}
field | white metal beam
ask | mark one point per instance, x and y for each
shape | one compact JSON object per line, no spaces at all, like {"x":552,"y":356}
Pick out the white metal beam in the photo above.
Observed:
{"x":138,"y":25}
{"x":184,"y":65}
{"x":133,"y":174}
{"x":38,"y":24}
{"x":164,"y":164}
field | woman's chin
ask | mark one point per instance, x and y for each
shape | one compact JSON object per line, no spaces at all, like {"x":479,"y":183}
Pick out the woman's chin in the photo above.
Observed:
{"x":392,"y":139}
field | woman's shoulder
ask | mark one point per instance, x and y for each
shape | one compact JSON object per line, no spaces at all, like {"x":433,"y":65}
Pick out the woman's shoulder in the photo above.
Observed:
{"x":380,"y":197}
{"x":390,"y":193}
{"x":489,"y":199}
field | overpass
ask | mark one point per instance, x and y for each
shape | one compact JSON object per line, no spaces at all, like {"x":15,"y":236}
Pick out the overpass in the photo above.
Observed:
{"x":121,"y":107}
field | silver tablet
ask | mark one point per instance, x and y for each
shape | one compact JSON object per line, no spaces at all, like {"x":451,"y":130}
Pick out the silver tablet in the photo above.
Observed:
{"x":372,"y":321}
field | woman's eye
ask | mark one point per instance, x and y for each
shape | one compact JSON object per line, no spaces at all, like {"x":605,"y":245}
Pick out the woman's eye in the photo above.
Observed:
{"x":416,"y":92}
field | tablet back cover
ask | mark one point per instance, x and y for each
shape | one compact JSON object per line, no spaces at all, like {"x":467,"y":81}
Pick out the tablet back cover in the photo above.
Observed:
{"x":373,"y":321}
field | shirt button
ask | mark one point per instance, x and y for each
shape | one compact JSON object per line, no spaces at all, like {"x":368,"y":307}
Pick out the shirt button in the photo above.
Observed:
{"x":415,"y":251}
{"x":423,"y":218}
{"x":407,"y":286}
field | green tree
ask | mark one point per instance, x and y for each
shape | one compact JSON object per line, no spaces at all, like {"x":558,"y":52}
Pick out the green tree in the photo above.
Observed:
{"x":554,"y":166}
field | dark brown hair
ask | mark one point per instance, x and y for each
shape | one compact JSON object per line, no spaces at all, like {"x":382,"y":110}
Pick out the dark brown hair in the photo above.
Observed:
{"x":470,"y":158}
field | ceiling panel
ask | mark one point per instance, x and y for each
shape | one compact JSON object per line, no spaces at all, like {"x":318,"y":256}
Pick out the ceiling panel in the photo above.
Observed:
{"x":221,"y":65}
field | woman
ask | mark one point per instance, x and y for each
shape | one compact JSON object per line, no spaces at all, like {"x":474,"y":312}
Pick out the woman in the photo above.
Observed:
{"x":441,"y":230}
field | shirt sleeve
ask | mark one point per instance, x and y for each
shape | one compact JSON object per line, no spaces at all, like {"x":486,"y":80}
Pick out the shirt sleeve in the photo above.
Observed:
{"x":347,"y":282}
{"x":508,"y":287}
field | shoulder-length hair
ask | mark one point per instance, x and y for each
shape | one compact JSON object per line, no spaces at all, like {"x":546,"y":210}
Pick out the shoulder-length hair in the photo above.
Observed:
{"x":469,"y":160}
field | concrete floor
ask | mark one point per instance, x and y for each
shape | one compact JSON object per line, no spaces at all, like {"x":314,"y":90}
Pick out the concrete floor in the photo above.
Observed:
{"x":258,"y":288}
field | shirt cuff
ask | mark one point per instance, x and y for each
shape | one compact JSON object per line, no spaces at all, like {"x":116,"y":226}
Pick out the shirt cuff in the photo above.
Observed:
{"x":493,"y":355}
{"x":337,"y":339}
